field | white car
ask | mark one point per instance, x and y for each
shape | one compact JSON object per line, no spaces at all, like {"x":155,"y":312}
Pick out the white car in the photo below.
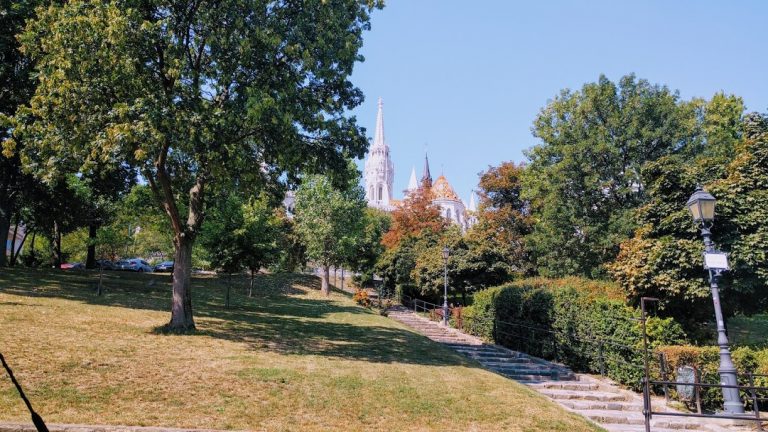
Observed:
{"x":137,"y":265}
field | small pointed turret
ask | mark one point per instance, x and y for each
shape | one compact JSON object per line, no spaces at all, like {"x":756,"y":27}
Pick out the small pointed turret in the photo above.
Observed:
{"x":472,"y":205}
{"x":413,"y":184}
{"x":426,"y":177}
{"x":378,"y":139}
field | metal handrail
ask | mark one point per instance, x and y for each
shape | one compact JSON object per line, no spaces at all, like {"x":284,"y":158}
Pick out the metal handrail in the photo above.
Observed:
{"x":648,"y":411}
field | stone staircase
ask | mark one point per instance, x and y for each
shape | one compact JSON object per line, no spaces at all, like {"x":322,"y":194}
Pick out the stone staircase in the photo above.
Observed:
{"x":598,"y":399}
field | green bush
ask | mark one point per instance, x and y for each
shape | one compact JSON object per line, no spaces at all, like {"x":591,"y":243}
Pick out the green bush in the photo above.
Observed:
{"x":706,"y":360}
{"x":581,"y":323}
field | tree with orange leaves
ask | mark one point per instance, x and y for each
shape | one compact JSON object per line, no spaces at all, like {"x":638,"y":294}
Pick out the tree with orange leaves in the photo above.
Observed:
{"x":417,"y":214}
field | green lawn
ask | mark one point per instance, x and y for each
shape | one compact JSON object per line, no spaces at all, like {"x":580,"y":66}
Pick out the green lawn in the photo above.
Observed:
{"x":747,"y":330}
{"x":286,"y":359}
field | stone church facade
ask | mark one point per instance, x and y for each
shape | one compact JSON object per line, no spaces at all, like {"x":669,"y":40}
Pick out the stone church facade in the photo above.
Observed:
{"x":379,"y":175}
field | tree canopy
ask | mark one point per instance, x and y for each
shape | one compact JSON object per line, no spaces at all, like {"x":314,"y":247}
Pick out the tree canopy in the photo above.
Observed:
{"x":585,"y":177}
{"x":196,"y":96}
{"x":329,"y":221}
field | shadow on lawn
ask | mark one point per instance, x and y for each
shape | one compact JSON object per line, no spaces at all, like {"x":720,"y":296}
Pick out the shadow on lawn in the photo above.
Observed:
{"x":271,"y":320}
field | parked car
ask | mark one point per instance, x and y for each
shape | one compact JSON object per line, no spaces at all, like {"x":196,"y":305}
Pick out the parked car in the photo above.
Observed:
{"x":165,"y":266}
{"x":139,"y":265}
{"x":134,"y":264}
{"x":105,"y":264}
{"x":72,"y":266}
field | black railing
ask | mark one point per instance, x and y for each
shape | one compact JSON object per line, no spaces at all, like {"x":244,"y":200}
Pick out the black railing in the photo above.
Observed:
{"x":419,"y":306}
{"x":751,"y":389}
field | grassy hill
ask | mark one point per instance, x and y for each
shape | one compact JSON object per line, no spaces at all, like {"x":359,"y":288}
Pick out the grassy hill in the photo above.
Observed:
{"x":286,"y":359}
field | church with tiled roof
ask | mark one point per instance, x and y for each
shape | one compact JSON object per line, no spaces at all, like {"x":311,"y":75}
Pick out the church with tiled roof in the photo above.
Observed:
{"x":379,"y":175}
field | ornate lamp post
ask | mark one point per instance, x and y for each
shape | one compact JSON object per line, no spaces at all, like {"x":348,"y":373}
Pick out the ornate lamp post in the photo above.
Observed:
{"x":446,"y":254}
{"x":702,"y":208}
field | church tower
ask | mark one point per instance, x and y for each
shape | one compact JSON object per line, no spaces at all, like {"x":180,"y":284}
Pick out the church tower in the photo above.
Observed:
{"x":379,"y":172}
{"x":426,"y":177}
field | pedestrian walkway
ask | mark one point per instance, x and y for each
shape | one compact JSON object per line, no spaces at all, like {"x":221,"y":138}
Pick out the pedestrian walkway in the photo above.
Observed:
{"x":598,"y":399}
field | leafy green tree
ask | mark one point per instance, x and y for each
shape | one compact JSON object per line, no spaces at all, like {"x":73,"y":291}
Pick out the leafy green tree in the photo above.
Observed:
{"x":197,"y":97}
{"x":329,"y":221}
{"x":242,"y":235}
{"x":104,"y":189}
{"x":16,"y":87}
{"x":585,"y":178}
{"x":368,"y":248}
{"x":503,"y":220}
{"x":292,"y":252}
{"x":664,"y":259}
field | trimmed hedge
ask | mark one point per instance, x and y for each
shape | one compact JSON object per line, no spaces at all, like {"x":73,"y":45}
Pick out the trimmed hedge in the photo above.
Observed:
{"x":707,"y":360}
{"x":584,"y":324}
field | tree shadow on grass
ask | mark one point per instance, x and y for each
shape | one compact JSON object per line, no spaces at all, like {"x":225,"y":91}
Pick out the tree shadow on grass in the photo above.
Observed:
{"x":275,"y":319}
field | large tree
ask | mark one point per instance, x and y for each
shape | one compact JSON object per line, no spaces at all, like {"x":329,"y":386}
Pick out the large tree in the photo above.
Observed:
{"x":16,"y":87}
{"x":329,"y":221}
{"x":664,"y":259}
{"x":585,"y":178}
{"x":197,"y":95}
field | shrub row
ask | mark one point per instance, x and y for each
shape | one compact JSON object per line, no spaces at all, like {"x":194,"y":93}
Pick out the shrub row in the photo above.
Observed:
{"x":706,"y":360}
{"x":584,"y":324}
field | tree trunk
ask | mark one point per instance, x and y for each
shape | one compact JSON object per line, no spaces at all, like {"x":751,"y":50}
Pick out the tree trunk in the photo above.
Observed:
{"x":326,"y":275}
{"x":181,"y":307}
{"x":250,"y":289}
{"x":342,"y":278}
{"x":90,"y":262}
{"x":5,"y":227}
{"x":13,"y":242}
{"x":17,"y":249}
{"x":56,"y":247}
{"x":229,"y":285}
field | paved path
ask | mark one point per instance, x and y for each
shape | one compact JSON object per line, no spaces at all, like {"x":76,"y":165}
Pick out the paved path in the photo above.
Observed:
{"x":600,"y":400}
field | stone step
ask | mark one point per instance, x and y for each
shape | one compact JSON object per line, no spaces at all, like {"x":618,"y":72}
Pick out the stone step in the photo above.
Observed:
{"x":612,"y":418}
{"x":601,"y":396}
{"x":568,"y":385}
{"x":483,"y":352}
{"x":580,"y":405}
{"x":503,"y":360}
{"x":534,"y":378}
{"x":641,"y":428}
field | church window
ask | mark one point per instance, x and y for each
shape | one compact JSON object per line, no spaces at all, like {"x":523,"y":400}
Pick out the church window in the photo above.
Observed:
{"x":448,"y":213}
{"x":380,"y":193}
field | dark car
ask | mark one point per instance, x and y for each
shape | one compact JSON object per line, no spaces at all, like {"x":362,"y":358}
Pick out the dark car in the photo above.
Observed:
{"x":105,"y":264}
{"x":165,"y":267}
{"x":122,"y":265}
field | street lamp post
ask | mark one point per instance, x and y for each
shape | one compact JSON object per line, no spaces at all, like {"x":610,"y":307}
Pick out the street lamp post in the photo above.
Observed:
{"x":446,"y":253}
{"x":702,"y":208}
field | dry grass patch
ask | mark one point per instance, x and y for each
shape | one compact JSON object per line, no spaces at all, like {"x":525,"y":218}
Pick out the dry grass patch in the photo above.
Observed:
{"x":287,"y":359}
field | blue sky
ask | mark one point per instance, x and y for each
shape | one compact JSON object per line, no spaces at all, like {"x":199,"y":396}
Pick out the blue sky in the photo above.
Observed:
{"x":466,"y":79}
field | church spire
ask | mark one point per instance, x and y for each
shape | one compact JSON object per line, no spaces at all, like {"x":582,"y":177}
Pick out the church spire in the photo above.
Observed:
{"x":412,"y":183}
{"x":426,"y":177}
{"x":379,"y":171}
{"x":378,"y":138}
{"x":472,"y":205}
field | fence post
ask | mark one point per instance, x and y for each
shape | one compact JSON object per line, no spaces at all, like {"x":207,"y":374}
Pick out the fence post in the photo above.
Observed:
{"x":663,"y":367}
{"x":697,"y":386}
{"x":601,"y":355}
{"x":755,"y":408}
{"x":646,"y":405}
